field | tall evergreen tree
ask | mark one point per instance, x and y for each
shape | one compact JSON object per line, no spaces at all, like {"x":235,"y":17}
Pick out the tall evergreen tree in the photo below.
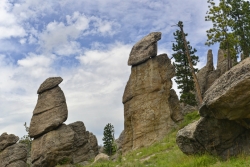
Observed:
{"x":221,"y":32}
{"x":108,"y":139}
{"x":240,"y":14}
{"x":184,"y":77}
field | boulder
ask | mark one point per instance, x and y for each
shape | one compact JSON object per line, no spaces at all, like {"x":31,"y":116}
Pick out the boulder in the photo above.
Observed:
{"x":101,"y":157}
{"x":51,"y":108}
{"x":85,"y":143}
{"x":144,"y":49}
{"x":228,"y":97}
{"x":7,"y":140}
{"x":147,"y":111}
{"x":14,"y":156}
{"x":209,"y":134}
{"x":71,"y":143}
{"x":49,"y":83}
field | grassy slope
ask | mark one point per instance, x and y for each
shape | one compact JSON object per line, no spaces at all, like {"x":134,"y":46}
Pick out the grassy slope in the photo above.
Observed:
{"x":167,"y":154}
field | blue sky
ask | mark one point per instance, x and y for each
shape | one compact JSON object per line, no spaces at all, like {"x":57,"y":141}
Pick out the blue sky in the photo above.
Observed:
{"x":87,"y":43}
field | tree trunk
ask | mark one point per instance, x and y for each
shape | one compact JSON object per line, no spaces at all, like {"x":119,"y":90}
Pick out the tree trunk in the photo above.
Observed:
{"x":197,"y":86}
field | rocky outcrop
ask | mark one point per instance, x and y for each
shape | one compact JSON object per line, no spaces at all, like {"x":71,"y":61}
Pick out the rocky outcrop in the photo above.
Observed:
{"x":12,"y":154}
{"x":207,"y":75}
{"x":147,"y":110}
{"x":72,"y":143}
{"x":7,"y":140}
{"x":228,"y":97}
{"x":51,"y":109}
{"x":54,"y":141}
{"x":144,"y":49}
{"x":208,"y":134}
{"x":224,"y":126}
{"x":222,"y":61}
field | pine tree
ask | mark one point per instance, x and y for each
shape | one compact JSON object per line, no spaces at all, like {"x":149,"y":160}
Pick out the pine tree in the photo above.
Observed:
{"x":240,"y":14}
{"x":222,"y":28}
{"x":184,"y":77}
{"x":108,"y":139}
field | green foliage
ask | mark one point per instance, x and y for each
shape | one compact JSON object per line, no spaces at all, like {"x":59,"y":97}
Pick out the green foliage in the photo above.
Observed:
{"x":26,"y":138}
{"x":189,"y":118}
{"x":240,"y":14}
{"x":108,"y":139}
{"x":222,"y":29}
{"x":64,"y":161}
{"x":184,"y":77}
{"x":231,"y":26}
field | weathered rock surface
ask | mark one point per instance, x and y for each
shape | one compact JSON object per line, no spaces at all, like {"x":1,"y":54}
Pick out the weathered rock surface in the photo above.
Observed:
{"x":207,"y":75}
{"x":51,"y":108}
{"x":85,"y":143}
{"x":185,"y":108}
{"x":144,"y":49}
{"x":49,"y":83}
{"x":7,"y":140}
{"x":175,"y":107}
{"x":209,"y":134}
{"x":69,"y":142}
{"x":222,"y":61}
{"x":14,"y":156}
{"x":101,"y":157}
{"x":119,"y":141}
{"x":224,"y":127}
{"x":228,"y":97}
{"x":147,"y":109}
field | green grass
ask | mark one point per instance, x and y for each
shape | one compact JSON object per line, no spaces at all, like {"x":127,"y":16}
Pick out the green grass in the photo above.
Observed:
{"x":167,"y":154}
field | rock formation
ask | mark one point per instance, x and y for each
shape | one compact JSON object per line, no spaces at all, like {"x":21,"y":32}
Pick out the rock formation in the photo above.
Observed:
{"x":55,"y":142}
{"x":222,"y":61}
{"x":147,"y":110}
{"x":51,"y":109}
{"x":207,"y":75}
{"x":144,"y":49}
{"x":224,"y":126}
{"x":185,"y":108}
{"x":228,"y":97}
{"x":12,"y":154}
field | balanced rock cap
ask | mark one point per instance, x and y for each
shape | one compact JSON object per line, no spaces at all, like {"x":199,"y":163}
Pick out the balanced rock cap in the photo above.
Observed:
{"x":144,"y":49}
{"x":49,"y":83}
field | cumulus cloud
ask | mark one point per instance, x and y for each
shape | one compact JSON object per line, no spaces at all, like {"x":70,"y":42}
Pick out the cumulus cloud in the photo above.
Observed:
{"x":59,"y":37}
{"x":9,"y":26}
{"x":87,"y":43}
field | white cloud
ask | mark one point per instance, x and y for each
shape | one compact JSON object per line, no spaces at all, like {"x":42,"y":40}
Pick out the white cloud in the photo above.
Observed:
{"x":9,"y":26}
{"x":86,"y":30}
{"x":30,"y":9}
{"x":59,"y":37}
{"x":35,"y":61}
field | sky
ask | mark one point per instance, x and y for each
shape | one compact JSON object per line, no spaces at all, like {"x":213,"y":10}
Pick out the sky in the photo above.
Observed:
{"x":87,"y":43}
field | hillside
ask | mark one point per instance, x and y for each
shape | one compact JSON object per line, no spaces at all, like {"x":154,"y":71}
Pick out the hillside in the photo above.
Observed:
{"x":167,"y":154}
